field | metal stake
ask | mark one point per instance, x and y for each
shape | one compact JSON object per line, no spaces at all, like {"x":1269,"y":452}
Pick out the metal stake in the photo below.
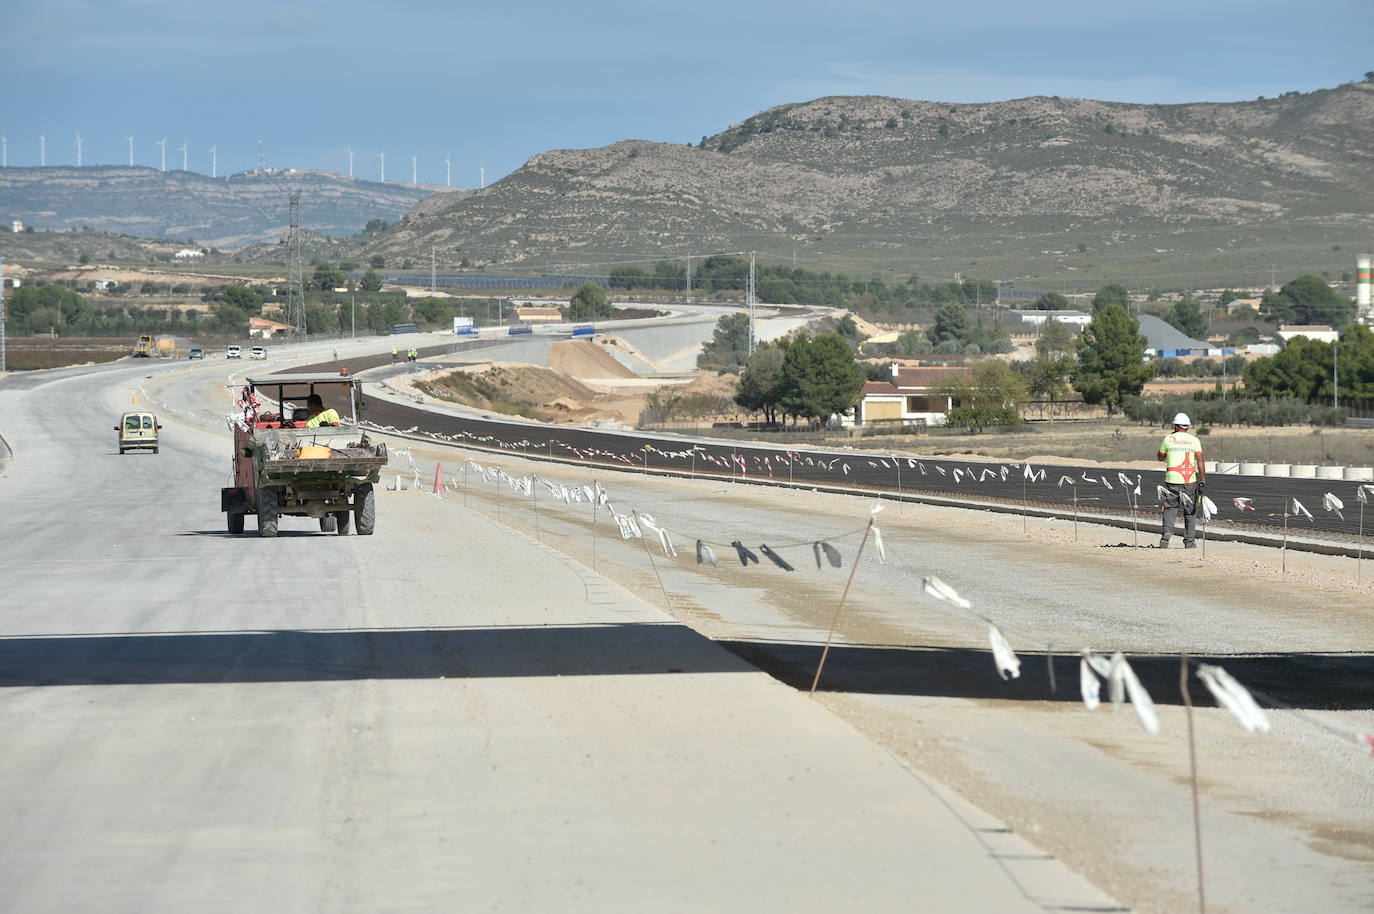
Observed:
{"x":836,"y":621}
{"x":1192,"y":762}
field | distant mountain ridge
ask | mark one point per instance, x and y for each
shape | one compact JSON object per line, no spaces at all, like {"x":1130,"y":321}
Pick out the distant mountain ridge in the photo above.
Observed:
{"x":1018,"y":188}
{"x":229,"y":212}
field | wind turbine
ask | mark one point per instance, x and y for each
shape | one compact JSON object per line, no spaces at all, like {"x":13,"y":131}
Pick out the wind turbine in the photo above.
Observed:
{"x":448,"y":170}
{"x":214,"y":161}
{"x":413,"y":172}
{"x":184,"y":165}
{"x":42,"y":149}
{"x":350,"y":160}
{"x":382,"y":156}
{"x":78,"y":150}
{"x":483,"y":170}
{"x":131,"y":150}
{"x":163,"y":143}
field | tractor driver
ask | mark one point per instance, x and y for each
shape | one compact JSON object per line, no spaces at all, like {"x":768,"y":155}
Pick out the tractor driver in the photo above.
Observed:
{"x":318,"y":414}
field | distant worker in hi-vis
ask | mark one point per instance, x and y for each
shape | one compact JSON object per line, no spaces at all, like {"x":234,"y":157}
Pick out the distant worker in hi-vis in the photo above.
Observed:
{"x":1185,"y":476}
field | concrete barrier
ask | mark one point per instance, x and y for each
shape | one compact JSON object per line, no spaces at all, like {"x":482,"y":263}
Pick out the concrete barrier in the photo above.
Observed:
{"x":1278,"y":469}
{"x":1330,"y":472}
{"x":1252,"y":469}
{"x":1358,"y":474}
{"x":1304,"y":470}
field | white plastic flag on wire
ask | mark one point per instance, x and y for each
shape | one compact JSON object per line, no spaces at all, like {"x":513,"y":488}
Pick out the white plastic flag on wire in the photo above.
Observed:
{"x":1008,"y":666}
{"x":878,"y":534}
{"x":934,"y":587}
{"x":1234,"y":697}
{"x":1088,"y":684}
{"x":648,"y":523}
{"x":832,"y":555}
{"x":1209,"y":508}
{"x":1064,"y":479}
{"x":1299,"y":509}
{"x":1122,"y":674}
{"x":705,"y":553}
{"x":1243,"y":504}
{"x":1331,"y":503}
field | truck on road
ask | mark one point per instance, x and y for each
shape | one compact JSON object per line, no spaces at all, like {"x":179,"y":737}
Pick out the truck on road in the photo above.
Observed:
{"x":284,"y":466}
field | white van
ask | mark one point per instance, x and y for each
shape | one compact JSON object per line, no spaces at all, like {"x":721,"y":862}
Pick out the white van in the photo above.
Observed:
{"x":233,"y":352}
{"x":138,"y":431}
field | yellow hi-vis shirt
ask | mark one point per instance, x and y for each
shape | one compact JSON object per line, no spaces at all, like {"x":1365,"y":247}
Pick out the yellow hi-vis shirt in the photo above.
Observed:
{"x":327,"y":417}
{"x":1181,"y":452}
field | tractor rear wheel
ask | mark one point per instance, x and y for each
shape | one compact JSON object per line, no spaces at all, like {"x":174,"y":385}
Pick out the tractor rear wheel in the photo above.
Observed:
{"x":365,"y":509}
{"x":267,"y":511}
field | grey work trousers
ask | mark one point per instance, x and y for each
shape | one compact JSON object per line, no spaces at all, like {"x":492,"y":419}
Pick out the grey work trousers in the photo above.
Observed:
{"x":1180,"y":497}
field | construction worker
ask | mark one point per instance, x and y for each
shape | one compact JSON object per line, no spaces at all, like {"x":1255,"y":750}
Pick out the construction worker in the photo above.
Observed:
{"x":394,"y":353}
{"x":1185,"y":476}
{"x":318,"y":414}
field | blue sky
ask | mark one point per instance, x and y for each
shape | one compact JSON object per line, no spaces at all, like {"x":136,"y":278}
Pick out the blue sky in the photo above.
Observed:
{"x":493,"y":84}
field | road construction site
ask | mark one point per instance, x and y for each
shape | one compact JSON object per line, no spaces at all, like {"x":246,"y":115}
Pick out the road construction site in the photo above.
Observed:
{"x":498,"y":701}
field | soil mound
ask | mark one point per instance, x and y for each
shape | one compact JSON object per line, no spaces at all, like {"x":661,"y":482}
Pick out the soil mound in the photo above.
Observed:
{"x":585,"y":359}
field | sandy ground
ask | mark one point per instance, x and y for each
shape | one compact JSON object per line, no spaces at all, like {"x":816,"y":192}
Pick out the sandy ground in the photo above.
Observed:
{"x":1284,"y":815}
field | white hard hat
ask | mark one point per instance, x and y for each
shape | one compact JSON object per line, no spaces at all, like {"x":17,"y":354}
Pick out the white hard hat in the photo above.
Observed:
{"x":1183,"y":420}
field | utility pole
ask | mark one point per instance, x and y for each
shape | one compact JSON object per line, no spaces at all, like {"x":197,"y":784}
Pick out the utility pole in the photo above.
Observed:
{"x":353,"y":305}
{"x":431,"y":271}
{"x":753,"y":338}
{"x":1335,"y":380}
{"x":2,"y":316}
{"x":689,"y":279}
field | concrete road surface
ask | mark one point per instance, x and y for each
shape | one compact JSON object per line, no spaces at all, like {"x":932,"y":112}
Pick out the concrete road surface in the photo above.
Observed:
{"x":447,"y":715}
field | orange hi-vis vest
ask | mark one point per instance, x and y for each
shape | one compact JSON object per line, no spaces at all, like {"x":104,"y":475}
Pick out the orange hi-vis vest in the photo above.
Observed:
{"x":1181,"y":452}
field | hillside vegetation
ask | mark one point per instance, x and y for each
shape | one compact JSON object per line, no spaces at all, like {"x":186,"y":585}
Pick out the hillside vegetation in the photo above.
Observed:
{"x":1022,"y":190}
{"x":228,"y":212}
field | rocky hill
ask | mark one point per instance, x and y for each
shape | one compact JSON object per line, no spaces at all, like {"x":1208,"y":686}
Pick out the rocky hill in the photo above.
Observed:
{"x":1023,"y":190}
{"x":226,"y":213}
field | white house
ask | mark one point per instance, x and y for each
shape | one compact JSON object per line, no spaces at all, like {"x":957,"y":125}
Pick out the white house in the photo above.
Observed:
{"x":1319,"y":332}
{"x":188,"y":254}
{"x":906,"y":397}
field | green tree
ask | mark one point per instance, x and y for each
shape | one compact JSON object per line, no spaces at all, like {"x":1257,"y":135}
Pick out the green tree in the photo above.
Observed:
{"x":433,"y":311}
{"x":1111,"y":358}
{"x":245,"y":299}
{"x":989,"y":395}
{"x":1276,"y":309}
{"x":1114,"y":294}
{"x":377,"y":261}
{"x":321,"y":317}
{"x":1051,"y":301}
{"x":1048,"y":374}
{"x":951,"y":323}
{"x":589,"y":302}
{"x":848,"y":329}
{"x":729,"y":344}
{"x":370,"y":282}
{"x":1187,"y":317}
{"x":1227,"y":296}
{"x":820,"y":377}
{"x":326,"y":277}
{"x":1315,"y":302}
{"x":760,"y":386}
